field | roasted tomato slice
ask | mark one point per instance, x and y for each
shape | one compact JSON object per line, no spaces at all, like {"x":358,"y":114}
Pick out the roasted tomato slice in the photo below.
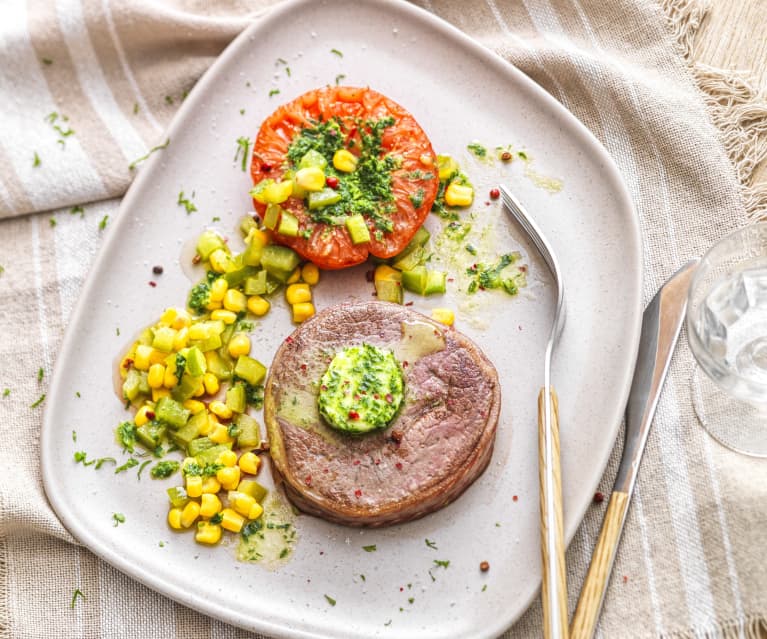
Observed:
{"x":392,"y":186}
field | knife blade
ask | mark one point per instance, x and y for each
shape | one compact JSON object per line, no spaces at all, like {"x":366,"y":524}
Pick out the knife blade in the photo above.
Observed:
{"x":661,"y":324}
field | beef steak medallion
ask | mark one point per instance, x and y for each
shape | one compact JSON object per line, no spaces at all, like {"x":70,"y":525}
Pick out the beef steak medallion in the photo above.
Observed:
{"x":437,"y":444}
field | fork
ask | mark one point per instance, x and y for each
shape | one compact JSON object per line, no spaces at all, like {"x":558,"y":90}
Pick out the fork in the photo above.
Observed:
{"x":554,"y":587}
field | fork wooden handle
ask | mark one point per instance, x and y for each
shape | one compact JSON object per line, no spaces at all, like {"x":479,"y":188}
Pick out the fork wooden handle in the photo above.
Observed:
{"x":553,"y":595}
{"x":595,"y":584}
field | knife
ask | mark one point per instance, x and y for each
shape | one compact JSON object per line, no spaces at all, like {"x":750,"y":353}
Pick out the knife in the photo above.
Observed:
{"x":661,"y":324}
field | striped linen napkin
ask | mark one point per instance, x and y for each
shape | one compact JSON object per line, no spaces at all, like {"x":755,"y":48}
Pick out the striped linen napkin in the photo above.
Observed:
{"x":88,"y":87}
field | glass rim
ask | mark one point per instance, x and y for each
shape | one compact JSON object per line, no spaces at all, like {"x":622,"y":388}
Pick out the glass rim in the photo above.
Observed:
{"x":693,"y":335}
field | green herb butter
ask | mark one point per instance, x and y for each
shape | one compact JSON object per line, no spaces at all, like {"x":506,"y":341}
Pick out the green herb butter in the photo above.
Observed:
{"x":361,"y":390}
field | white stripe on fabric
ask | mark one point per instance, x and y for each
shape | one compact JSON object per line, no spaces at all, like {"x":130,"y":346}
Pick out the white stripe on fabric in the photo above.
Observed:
{"x":697,"y":586}
{"x":500,"y":20}
{"x":731,"y":568}
{"x":92,"y":80}
{"x":644,"y":536}
{"x":27,"y":103}
{"x":127,"y":70}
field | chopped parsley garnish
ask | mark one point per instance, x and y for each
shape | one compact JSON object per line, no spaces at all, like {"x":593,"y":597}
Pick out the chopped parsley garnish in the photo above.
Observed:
{"x":117,"y":331}
{"x":40,"y":374}
{"x":330,"y":600}
{"x":477,"y":149}
{"x":489,"y":276}
{"x":164,"y":469}
{"x":6,"y":392}
{"x":522,"y":155}
{"x":74,"y":435}
{"x":36,"y":162}
{"x":103,"y":223}
{"x":126,"y":435}
{"x":242,"y":111}
{"x":416,"y":199}
{"x":180,"y":366}
{"x":337,"y":52}
{"x":142,"y":467}
{"x":77,"y":394}
{"x":81,"y":457}
{"x":46,"y":61}
{"x":77,"y":593}
{"x":40,"y":400}
{"x":410,"y":600}
{"x":215,"y":218}
{"x":217,"y":518}
{"x":103,"y":460}
{"x":186,"y":202}
{"x":118,"y":518}
{"x":457,"y":230}
{"x":77,"y":209}
{"x":470,"y":249}
{"x":129,"y":464}
{"x":340,"y":77}
{"x":168,"y":99}
{"x":195,"y":470}
{"x":284,"y":553}
{"x":243,"y":146}
{"x":135,"y":162}
{"x":273,"y":92}
{"x":371,"y":548}
{"x":431,"y":544}
{"x":251,"y":528}
{"x":52,"y":222}
{"x":442,"y":563}
{"x":135,"y":108}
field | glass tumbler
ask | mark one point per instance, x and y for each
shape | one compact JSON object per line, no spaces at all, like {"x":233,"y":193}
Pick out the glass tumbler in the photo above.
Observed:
{"x":727,"y":331}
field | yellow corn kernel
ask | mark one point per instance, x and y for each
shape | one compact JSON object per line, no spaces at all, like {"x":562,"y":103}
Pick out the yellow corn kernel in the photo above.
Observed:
{"x":218,"y":289}
{"x":194,"y":406}
{"x":156,"y":376}
{"x":157,"y":357}
{"x":384,"y":272}
{"x":459,"y":194}
{"x":295,"y":276}
{"x":235,"y":301}
{"x":255,"y":511}
{"x":190,"y":513}
{"x":220,"y":261}
{"x":262,"y":238}
{"x":199,"y":391}
{"x":239,"y":345}
{"x":207,"y":533}
{"x":174,"y":518}
{"x":258,"y":305}
{"x":182,"y":319}
{"x":311,"y":178}
{"x":141,"y":415}
{"x":298,"y":293}
{"x":344,"y":161}
{"x":210,"y":504}
{"x":227,"y":458}
{"x":227,"y":317}
{"x":206,"y":426}
{"x":249,"y":463}
{"x":141,"y":357}
{"x":193,"y":485}
{"x":241,"y":502}
{"x":211,"y":383}
{"x":443,"y":315}
{"x":231,"y":520}
{"x":168,"y":316}
{"x":210,"y":486}
{"x":302,"y":311}
{"x":220,"y":433}
{"x":212,"y":306}
{"x":169,"y":379}
{"x":310,"y":273}
{"x":220,"y":409}
{"x":182,"y":339}
{"x":229,"y":476}
{"x":158,"y":393}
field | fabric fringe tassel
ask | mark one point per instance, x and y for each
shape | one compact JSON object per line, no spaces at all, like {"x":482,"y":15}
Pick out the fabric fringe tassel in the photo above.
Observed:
{"x":737,"y":109}
{"x":748,"y":628}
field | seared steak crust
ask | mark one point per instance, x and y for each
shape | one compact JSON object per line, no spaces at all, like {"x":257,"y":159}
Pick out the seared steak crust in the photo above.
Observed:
{"x":436,"y":446}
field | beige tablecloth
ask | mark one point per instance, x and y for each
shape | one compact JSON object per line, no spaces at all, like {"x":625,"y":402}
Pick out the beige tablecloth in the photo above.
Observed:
{"x":693,"y":561}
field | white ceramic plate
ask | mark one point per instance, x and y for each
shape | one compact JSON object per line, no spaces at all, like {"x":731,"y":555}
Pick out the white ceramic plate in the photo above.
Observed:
{"x":459,"y":92}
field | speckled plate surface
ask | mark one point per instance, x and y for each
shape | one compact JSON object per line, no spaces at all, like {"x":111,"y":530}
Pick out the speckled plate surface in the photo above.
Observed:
{"x":459,"y":92}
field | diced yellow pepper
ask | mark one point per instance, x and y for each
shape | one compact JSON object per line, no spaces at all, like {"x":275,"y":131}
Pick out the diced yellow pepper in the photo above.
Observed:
{"x":210,"y":504}
{"x":182,"y":319}
{"x":156,"y":376}
{"x":277,"y":192}
{"x":182,"y":339}
{"x":193,"y":485}
{"x":310,"y":273}
{"x":190,"y":513}
{"x":235,"y":301}
{"x":231,"y":520}
{"x":227,"y":458}
{"x":447,"y":166}
{"x":249,"y":463}
{"x":241,"y":502}
{"x":459,"y":194}
{"x":345,"y":160}
{"x":298,"y":293}
{"x":443,"y":315}
{"x":311,"y":178}
{"x":302,"y":311}
{"x":385,"y":272}
{"x":227,"y":317}
{"x":229,"y":476}
{"x":258,"y":305}
{"x":238,"y":345}
{"x":218,"y":289}
{"x":168,"y":316}
{"x":210,"y":485}
{"x":255,"y":511}
{"x":207,"y":533}
{"x":174,"y":518}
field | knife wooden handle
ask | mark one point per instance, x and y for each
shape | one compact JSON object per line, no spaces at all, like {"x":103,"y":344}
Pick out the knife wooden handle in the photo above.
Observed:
{"x":557,"y":590}
{"x":594,"y":586}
